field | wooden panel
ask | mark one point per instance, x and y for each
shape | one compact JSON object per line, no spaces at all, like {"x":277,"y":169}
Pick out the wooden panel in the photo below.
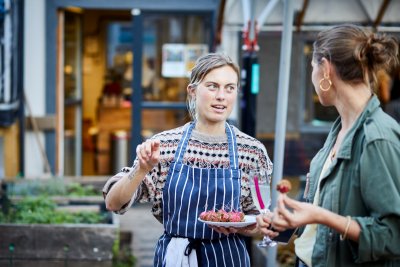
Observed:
{"x":43,"y":123}
{"x":111,"y":119}
{"x":158,"y":120}
{"x":114,"y":118}
{"x":11,"y":150}
{"x":102,"y":163}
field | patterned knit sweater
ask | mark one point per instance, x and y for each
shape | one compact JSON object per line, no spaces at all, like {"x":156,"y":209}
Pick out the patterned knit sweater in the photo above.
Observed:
{"x":203,"y":151}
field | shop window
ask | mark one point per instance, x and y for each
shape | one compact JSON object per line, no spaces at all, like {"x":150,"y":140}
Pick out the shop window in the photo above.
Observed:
{"x":175,"y":32}
{"x":314,"y":113}
{"x":119,"y":59}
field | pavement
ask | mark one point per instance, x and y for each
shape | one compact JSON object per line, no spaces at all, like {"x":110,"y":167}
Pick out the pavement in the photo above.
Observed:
{"x":145,"y":231}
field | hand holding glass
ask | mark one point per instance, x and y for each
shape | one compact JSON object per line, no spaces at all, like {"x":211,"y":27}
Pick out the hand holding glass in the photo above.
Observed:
{"x":260,"y":187}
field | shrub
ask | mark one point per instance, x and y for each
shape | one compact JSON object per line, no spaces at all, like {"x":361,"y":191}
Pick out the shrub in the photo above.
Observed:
{"x":42,"y":210}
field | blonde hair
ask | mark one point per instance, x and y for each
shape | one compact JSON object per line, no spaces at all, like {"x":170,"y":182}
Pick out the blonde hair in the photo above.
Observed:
{"x":203,"y":66}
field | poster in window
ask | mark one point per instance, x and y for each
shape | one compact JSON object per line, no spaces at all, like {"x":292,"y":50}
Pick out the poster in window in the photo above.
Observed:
{"x":179,"y":59}
{"x":173,"y":60}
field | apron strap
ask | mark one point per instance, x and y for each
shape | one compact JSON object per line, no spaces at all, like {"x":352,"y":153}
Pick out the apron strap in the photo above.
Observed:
{"x":233,"y":156}
{"x":183,"y":143}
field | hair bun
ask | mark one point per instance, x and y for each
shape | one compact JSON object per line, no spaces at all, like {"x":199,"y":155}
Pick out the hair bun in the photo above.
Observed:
{"x":380,"y":51}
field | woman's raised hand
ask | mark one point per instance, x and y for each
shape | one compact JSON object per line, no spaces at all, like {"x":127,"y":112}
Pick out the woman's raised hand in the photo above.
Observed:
{"x":292,"y":213}
{"x":148,"y":154}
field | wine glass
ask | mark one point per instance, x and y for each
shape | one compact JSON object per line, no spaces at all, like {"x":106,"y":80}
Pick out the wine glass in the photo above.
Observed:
{"x":260,"y":187}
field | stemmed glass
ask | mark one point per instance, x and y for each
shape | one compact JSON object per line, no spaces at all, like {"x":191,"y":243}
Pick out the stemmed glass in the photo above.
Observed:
{"x":260,"y":187}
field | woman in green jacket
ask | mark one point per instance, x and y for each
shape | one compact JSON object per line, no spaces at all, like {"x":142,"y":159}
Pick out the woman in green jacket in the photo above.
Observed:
{"x":352,"y":217}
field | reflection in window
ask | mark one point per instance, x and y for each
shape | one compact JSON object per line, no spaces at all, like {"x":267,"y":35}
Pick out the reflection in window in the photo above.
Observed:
{"x":168,"y":29}
{"x":314,"y":113}
{"x":119,"y":59}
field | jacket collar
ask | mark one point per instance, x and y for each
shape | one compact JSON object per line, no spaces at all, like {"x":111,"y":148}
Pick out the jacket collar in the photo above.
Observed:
{"x":345,"y":149}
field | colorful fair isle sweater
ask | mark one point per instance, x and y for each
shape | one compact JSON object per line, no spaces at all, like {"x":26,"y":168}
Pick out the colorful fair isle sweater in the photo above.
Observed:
{"x":203,"y":151}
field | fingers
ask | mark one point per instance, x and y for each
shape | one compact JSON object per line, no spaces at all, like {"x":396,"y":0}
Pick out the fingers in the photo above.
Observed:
{"x":281,"y":215}
{"x":279,"y":224}
{"x":287,"y":213}
{"x":250,"y":227}
{"x":155,"y":151}
{"x":148,"y":153}
{"x":155,"y":145}
{"x":264,"y":220}
{"x":223,"y":230}
{"x":248,"y":230}
{"x":264,"y":223}
{"x":147,"y":148}
{"x":288,"y":202}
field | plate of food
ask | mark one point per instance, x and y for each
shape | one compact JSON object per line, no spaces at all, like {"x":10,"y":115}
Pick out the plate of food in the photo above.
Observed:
{"x":227,"y":218}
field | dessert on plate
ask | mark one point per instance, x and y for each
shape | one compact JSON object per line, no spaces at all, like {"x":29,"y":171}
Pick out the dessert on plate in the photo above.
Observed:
{"x":222,"y":216}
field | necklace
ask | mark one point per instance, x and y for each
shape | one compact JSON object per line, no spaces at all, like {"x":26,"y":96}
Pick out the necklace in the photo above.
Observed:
{"x":333,"y":153}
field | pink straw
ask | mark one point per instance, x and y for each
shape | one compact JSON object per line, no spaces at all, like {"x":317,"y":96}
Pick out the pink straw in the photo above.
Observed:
{"x":262,"y":206}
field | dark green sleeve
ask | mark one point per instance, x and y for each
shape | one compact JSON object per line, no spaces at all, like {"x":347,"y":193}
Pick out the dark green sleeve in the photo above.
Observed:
{"x":380,"y":187}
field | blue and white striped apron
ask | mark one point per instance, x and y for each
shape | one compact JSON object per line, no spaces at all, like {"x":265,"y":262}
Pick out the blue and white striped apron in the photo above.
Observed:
{"x":188,"y":192}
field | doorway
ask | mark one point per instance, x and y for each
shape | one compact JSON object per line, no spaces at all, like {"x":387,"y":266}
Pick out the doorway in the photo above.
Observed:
{"x":101,"y":99}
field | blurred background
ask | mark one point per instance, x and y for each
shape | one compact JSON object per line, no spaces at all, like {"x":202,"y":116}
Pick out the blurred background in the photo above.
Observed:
{"x":68,"y":96}
{"x":83,"y":82}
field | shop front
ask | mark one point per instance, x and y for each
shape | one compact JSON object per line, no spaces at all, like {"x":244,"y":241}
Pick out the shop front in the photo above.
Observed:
{"x":116,"y":73}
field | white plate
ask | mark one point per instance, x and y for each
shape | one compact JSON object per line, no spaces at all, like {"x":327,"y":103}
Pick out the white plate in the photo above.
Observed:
{"x":248,"y":220}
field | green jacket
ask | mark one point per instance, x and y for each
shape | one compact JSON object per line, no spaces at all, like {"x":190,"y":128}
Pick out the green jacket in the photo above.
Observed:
{"x":363,"y":182}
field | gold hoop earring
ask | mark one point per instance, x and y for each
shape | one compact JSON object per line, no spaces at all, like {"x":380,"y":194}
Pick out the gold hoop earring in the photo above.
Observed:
{"x":325,"y":79}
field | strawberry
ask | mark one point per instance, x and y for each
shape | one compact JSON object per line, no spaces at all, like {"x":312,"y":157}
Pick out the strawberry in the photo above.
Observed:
{"x":284,"y":186}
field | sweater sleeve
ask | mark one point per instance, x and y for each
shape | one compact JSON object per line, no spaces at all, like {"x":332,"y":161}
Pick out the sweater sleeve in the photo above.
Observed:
{"x":144,"y":193}
{"x":262,"y":161}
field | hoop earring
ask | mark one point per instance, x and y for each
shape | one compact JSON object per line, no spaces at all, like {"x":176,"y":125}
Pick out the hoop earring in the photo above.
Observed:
{"x":192,"y":108}
{"x":325,"y":79}
{"x":193,"y":104}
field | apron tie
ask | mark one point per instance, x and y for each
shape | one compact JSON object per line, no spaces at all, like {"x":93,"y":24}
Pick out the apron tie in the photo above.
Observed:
{"x":177,"y":256}
{"x":193,"y":244}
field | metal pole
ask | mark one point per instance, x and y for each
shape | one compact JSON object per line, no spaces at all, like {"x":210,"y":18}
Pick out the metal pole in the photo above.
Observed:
{"x":246,"y":12}
{"x":249,"y":73}
{"x":281,"y":110}
{"x":136,"y":97}
{"x":20,"y":88}
{"x":266,"y":12}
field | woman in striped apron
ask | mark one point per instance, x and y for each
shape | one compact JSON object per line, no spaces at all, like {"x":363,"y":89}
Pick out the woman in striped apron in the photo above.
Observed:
{"x":186,"y":192}
{"x":200,"y":166}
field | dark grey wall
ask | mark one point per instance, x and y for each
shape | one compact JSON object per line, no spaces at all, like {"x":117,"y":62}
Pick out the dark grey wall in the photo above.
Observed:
{"x":269,"y":56}
{"x":142,"y":4}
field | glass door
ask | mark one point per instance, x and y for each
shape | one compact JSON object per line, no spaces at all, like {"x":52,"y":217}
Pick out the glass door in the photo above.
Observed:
{"x":166,"y":48}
